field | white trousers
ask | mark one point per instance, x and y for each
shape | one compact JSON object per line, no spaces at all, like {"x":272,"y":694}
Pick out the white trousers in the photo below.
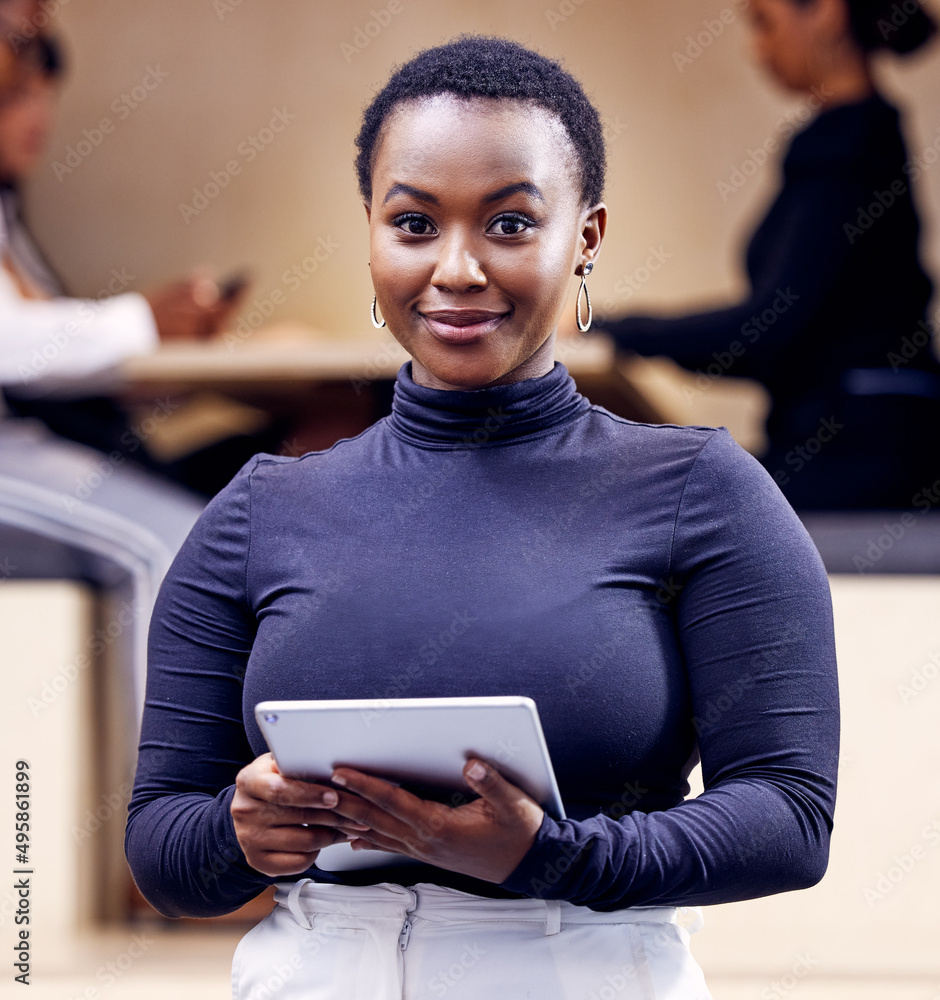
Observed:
{"x":387,"y":942}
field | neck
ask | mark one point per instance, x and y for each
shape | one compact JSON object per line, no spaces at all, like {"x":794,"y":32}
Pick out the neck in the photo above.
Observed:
{"x":846,"y":79}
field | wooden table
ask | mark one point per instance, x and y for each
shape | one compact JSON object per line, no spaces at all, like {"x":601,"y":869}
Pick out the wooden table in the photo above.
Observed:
{"x":329,"y":384}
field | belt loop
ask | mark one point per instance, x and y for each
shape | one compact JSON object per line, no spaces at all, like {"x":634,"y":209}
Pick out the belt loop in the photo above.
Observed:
{"x":691,"y":918}
{"x":293,"y":904}
{"x":552,"y":916}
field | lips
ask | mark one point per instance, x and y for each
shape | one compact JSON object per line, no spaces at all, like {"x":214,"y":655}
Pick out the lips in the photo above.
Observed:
{"x":462,"y":326}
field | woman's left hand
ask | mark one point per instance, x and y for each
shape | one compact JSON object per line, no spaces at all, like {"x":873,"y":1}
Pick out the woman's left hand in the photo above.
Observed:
{"x":485,"y":838}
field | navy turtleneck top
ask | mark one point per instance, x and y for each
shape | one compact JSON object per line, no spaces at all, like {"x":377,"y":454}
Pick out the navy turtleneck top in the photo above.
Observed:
{"x":647,"y":586}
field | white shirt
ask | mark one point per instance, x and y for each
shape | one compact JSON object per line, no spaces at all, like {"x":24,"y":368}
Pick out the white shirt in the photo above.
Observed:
{"x":63,"y":346}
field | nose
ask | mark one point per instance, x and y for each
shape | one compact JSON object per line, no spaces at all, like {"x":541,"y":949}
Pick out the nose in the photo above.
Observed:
{"x":458,"y":267}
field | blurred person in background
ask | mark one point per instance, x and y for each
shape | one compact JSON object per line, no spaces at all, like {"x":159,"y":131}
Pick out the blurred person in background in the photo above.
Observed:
{"x":63,"y":507}
{"x":58,"y":354}
{"x":835,"y":322}
{"x":15,"y":15}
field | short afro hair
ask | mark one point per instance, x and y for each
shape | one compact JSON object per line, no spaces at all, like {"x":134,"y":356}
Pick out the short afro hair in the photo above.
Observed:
{"x":481,"y":66}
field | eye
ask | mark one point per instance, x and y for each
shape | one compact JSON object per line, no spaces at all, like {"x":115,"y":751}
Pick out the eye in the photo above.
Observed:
{"x":510,"y":224}
{"x":414,"y":224}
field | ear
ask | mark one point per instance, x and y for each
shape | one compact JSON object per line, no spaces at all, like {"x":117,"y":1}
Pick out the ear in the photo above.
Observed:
{"x":368,"y":207}
{"x":593,"y":227}
{"x":832,"y":20}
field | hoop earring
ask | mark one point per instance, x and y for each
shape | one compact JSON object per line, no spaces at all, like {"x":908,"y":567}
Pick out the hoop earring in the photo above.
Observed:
{"x":585,"y":271}
{"x":375,"y":321}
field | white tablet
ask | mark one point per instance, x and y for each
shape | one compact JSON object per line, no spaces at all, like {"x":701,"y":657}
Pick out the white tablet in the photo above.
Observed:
{"x":423,"y":743}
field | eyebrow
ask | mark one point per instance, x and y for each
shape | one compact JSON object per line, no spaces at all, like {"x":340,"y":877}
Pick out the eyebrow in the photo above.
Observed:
{"x":413,"y":191}
{"x":526,"y":187}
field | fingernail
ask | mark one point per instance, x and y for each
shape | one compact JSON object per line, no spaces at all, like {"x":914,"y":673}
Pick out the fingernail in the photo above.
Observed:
{"x":339,"y":779}
{"x":330,"y":798}
{"x":476,"y":771}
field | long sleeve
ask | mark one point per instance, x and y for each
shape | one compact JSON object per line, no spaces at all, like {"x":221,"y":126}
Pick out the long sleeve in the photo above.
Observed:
{"x":55,"y":344}
{"x":754,"y":624}
{"x":803,"y":250}
{"x":69,"y":346}
{"x":180,"y":839}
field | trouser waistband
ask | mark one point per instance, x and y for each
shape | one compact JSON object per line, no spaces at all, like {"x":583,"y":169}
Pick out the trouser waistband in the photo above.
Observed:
{"x":306,"y":898}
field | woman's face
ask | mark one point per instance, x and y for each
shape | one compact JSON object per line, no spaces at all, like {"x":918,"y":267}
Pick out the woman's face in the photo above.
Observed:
{"x":26,"y":117}
{"x":476,"y":228}
{"x":790,"y":39}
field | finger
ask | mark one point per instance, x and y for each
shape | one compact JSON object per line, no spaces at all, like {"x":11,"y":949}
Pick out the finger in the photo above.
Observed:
{"x":361,"y":844}
{"x":269,"y":786}
{"x":272,"y":815}
{"x":287,"y":862}
{"x":389,"y":798}
{"x":414,"y":847}
{"x":490,"y":785}
{"x":300,"y":839}
{"x":204,"y":290}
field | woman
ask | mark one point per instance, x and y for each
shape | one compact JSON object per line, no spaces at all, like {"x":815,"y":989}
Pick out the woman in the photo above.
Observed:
{"x":618,"y":573}
{"x":838,"y":294}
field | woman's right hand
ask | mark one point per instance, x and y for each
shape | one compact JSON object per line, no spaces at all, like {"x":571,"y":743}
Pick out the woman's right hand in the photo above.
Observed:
{"x":282,"y":823}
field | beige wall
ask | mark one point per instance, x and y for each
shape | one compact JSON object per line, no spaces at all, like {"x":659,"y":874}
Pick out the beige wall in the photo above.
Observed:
{"x":230,"y":63}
